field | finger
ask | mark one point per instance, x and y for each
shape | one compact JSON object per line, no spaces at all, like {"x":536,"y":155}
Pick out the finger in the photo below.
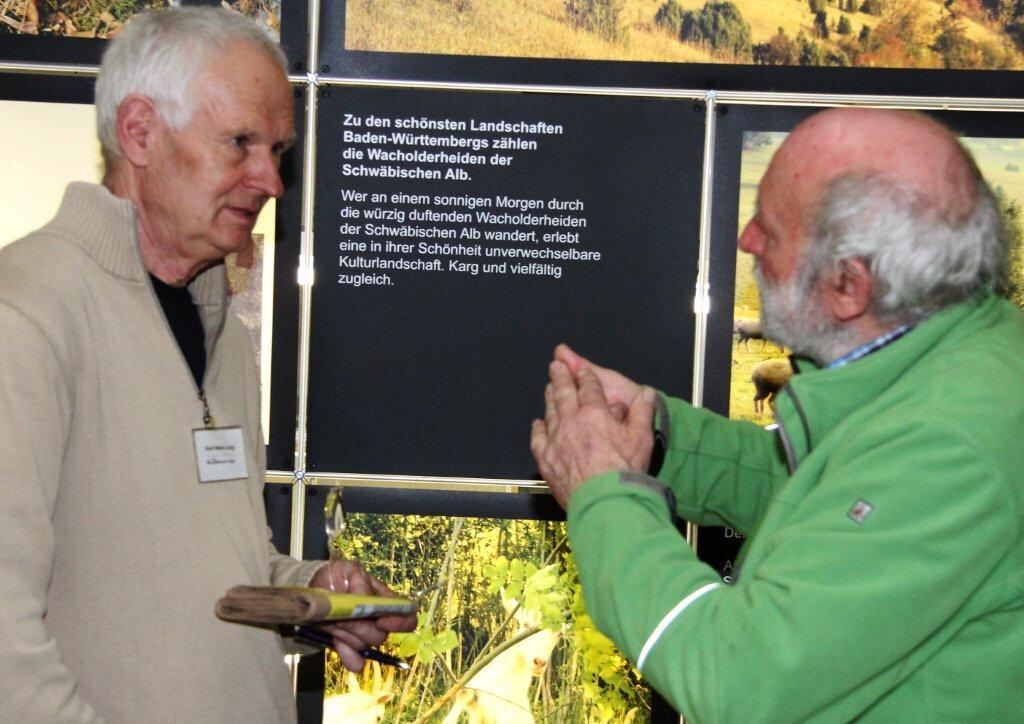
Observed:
{"x":617,"y":387}
{"x":641,"y":411}
{"x":567,"y":356}
{"x":358,"y":633}
{"x":590,"y":390}
{"x":539,"y":441}
{"x":397,"y":624}
{"x":563,"y":390}
{"x":538,"y":438}
{"x":351,"y":659}
{"x":347,"y":577}
{"x":618,"y":410}
{"x":550,"y":413}
{"x":359,"y":581}
{"x":342,"y":635}
{"x":335,"y":576}
{"x":378,"y":587}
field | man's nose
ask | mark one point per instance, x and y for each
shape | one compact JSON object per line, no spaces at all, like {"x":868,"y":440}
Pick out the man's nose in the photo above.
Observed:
{"x":265,"y":174}
{"x":752,"y":239}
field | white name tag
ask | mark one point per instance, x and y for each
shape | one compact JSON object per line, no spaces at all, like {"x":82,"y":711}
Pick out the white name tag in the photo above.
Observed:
{"x":220,"y":454}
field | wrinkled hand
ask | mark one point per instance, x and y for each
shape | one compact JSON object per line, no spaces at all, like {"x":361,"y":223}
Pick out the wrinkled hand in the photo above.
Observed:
{"x":619,"y":390}
{"x":351,"y":637}
{"x":582,"y":434}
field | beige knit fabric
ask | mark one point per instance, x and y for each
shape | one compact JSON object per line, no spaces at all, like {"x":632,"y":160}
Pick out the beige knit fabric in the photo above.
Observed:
{"x":112,"y":553}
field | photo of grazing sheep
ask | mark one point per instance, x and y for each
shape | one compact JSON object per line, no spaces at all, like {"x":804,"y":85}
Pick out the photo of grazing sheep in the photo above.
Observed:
{"x":769,"y":376}
{"x":746,"y":330}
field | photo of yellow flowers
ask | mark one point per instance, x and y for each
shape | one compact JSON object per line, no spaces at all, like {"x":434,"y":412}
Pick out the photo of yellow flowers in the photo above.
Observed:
{"x":503,"y":634}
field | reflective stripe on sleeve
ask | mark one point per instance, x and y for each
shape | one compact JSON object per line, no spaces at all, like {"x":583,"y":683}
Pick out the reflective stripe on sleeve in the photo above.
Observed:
{"x":668,"y":619}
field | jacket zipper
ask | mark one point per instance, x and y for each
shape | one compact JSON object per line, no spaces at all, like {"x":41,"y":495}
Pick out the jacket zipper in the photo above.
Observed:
{"x":787,"y":442}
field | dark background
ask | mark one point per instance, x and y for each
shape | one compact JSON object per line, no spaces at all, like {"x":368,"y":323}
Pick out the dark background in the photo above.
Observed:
{"x":442,"y":373}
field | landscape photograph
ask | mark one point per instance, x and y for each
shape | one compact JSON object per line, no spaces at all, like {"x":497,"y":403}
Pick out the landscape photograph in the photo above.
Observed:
{"x":104,"y":18}
{"x":503,"y":635}
{"x":951,"y":34}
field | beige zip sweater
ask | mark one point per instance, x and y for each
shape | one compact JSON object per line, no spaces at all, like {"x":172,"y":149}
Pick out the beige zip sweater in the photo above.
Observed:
{"x":112,"y":553}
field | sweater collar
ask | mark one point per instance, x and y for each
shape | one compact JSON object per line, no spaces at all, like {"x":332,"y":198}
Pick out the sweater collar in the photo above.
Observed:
{"x":816,"y":400}
{"x":105,"y":227}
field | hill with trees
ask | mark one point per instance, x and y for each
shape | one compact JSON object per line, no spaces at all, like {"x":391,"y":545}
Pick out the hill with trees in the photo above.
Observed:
{"x":978,"y":34}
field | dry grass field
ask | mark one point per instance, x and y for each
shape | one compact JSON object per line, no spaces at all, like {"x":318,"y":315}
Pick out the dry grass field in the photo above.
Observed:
{"x":746,"y":304}
{"x":506,"y":28}
{"x":542,"y":29}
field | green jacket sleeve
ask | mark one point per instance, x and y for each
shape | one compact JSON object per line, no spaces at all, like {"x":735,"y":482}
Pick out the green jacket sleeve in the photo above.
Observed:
{"x":828,"y":617}
{"x":722,"y":472}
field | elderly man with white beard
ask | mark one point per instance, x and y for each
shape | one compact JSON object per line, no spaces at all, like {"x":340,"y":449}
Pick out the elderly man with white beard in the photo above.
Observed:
{"x":882,"y":578}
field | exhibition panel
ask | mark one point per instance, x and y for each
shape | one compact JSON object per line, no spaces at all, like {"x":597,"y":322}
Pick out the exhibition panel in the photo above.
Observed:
{"x":473,"y":183}
{"x":916,"y":48}
{"x":460,"y":237}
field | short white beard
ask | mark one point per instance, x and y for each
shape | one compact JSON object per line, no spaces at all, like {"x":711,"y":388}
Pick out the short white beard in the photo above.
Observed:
{"x":791,"y":317}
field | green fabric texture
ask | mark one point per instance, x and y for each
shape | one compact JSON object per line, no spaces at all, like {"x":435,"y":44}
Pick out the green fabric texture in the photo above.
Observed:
{"x":882,"y":578}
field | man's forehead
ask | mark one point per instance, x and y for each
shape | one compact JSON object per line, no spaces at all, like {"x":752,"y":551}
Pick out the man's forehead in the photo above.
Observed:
{"x":910,"y":148}
{"x":240,"y":88}
{"x":776,"y":191}
{"x":240,"y":66}
{"x":797,"y":176}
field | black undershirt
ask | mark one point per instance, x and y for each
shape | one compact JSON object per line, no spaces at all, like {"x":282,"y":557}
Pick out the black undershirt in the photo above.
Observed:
{"x":183,"y":317}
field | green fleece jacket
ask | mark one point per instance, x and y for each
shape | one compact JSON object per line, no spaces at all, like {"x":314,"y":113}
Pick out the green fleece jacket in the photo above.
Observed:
{"x":112,"y":553}
{"x":883,"y":574}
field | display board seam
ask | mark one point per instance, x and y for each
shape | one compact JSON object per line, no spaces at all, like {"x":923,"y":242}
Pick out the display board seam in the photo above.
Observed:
{"x":722,"y":96}
{"x":702,"y":299}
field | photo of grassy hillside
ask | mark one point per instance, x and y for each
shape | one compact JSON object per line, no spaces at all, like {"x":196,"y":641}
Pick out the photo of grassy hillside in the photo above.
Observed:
{"x":976,"y":34}
{"x":1001,"y":161}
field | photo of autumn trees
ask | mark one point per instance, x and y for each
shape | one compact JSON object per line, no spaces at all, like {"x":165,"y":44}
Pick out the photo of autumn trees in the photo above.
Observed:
{"x":104,"y":18}
{"x":952,"y":34}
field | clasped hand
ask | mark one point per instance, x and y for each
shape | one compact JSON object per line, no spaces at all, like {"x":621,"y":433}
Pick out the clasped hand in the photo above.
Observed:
{"x":595,"y":420}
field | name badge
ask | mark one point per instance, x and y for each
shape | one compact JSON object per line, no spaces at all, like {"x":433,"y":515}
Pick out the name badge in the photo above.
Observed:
{"x":220,"y":454}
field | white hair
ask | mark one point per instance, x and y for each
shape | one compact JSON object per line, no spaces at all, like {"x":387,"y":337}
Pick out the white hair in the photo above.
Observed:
{"x":159,"y":54}
{"x":919,"y":258}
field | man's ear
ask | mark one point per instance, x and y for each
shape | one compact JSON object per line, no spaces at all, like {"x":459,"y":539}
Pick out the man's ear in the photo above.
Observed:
{"x":847,"y":290}
{"x":137,"y":123}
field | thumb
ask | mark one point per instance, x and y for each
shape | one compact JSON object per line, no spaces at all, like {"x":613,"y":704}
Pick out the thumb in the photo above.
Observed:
{"x":641,"y":411}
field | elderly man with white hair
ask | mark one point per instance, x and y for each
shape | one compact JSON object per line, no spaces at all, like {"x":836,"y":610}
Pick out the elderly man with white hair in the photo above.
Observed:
{"x":121,"y":371}
{"x":883,"y":574}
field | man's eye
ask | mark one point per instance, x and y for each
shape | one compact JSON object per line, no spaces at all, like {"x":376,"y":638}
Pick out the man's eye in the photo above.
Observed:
{"x":240,"y":141}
